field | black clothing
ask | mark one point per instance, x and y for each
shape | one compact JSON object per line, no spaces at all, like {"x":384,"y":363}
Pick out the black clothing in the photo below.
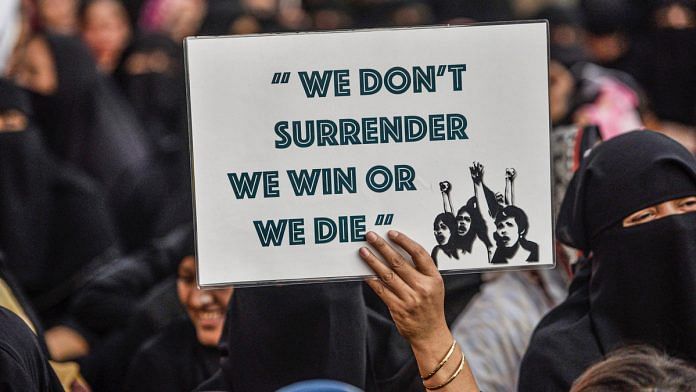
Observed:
{"x":275,"y":336}
{"x":502,"y":254}
{"x":112,"y":295}
{"x":54,"y":222}
{"x":562,"y":345}
{"x":159,"y":99}
{"x":12,"y":98}
{"x":87,"y":123}
{"x":23,"y":366}
{"x":640,"y":284}
{"x":126,"y":303}
{"x":623,"y":175}
{"x":173,"y":361}
{"x":669,"y":74}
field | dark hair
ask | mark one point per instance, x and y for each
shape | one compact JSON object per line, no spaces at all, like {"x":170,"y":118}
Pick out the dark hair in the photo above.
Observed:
{"x":518,"y":214}
{"x":84,"y":5}
{"x":637,"y":368}
{"x":466,"y":241}
{"x":451,"y":222}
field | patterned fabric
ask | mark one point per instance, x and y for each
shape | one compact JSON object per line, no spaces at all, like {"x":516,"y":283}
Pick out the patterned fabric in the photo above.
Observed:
{"x":496,"y":328}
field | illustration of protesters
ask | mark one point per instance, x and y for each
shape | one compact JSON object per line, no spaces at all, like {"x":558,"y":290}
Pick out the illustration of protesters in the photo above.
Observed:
{"x":510,"y":222}
{"x":445,"y":228}
{"x":469,"y":227}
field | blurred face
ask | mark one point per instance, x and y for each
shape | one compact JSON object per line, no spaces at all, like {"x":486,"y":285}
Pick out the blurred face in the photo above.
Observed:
{"x":442,"y":232}
{"x":675,"y":16}
{"x":12,"y":121}
{"x":182,"y":18}
{"x":205,"y":308}
{"x":671,"y":207}
{"x":34,"y":67}
{"x":463,"y":223}
{"x":59,"y":16}
{"x":106,"y":31}
{"x":508,"y":232}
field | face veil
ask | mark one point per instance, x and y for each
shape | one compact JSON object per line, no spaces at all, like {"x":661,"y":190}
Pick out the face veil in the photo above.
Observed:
{"x":638,"y":282}
{"x":643,"y":276}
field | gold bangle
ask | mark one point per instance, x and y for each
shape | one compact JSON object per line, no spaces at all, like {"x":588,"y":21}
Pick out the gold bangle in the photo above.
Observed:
{"x":449,"y":380}
{"x":442,"y":363}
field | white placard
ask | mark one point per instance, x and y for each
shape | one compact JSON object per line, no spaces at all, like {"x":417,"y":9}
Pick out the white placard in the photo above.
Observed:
{"x":302,"y":142}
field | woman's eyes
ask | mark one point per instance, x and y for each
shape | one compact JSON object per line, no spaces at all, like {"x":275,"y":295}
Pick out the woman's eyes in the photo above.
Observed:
{"x":187,"y":279}
{"x":688,"y":204}
{"x":641,"y":216}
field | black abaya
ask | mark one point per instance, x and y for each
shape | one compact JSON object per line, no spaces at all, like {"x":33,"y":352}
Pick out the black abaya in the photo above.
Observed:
{"x":54,"y":222}
{"x":88,"y":124}
{"x":172,"y":361}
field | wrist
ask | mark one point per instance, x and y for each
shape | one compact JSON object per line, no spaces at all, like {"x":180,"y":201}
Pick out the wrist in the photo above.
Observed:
{"x":433,"y":340}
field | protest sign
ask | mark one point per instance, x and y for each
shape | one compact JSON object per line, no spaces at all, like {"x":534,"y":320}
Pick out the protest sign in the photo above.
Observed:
{"x":301,"y":143}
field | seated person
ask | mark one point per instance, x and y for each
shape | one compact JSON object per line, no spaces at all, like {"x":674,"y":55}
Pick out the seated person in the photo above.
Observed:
{"x":185,"y":353}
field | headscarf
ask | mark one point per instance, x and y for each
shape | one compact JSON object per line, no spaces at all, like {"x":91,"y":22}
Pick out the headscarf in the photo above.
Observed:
{"x":26,"y":177}
{"x":639,"y":287}
{"x":279,"y":335}
{"x":53,"y":221}
{"x":85,"y":121}
{"x":157,"y":95}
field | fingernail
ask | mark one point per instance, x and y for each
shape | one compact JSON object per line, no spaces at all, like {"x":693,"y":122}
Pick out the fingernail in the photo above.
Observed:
{"x":393,"y":234}
{"x":364,"y":251}
{"x":371,"y":236}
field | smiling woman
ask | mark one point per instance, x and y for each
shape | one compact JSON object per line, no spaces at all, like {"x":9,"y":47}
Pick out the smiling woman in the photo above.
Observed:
{"x":205,"y":308}
{"x":184,"y":354}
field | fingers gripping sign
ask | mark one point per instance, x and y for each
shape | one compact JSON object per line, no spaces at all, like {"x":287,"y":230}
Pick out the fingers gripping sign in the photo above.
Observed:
{"x":413,"y":289}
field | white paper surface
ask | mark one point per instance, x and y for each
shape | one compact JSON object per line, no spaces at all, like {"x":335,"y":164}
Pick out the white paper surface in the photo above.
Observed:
{"x":235,"y":106}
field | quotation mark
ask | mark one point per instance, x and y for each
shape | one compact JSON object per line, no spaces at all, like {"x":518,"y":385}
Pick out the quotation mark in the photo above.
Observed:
{"x":280,"y":77}
{"x":384,"y":219}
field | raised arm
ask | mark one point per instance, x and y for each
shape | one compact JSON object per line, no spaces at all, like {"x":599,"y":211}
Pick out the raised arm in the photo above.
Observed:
{"x":510,"y":175}
{"x":482,"y":200}
{"x":414,"y":292}
{"x":445,"y":188}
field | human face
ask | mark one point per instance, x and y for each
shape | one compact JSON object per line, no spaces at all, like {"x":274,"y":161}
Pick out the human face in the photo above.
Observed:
{"x":442,"y":232}
{"x":463,"y":223}
{"x":35,"y":69}
{"x":508,"y":232}
{"x":205,"y":308}
{"x":12,"y":121}
{"x":106,"y":31}
{"x":662,"y":210}
{"x":59,"y":16}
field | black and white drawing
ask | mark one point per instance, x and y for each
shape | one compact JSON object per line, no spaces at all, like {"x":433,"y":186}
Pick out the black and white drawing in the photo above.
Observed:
{"x":488,"y":227}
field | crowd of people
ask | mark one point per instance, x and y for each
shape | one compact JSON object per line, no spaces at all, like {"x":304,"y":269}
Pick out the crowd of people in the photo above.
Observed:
{"x":97,"y":263}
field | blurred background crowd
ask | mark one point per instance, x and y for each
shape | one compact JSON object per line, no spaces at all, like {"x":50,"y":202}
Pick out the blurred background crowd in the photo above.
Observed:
{"x":95,"y":197}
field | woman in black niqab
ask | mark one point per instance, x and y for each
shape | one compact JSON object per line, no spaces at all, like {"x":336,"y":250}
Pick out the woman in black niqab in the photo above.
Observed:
{"x":638,"y":286}
{"x":53,"y":220}
{"x":151,"y":76}
{"x":87,"y":124}
{"x":84,"y":121}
